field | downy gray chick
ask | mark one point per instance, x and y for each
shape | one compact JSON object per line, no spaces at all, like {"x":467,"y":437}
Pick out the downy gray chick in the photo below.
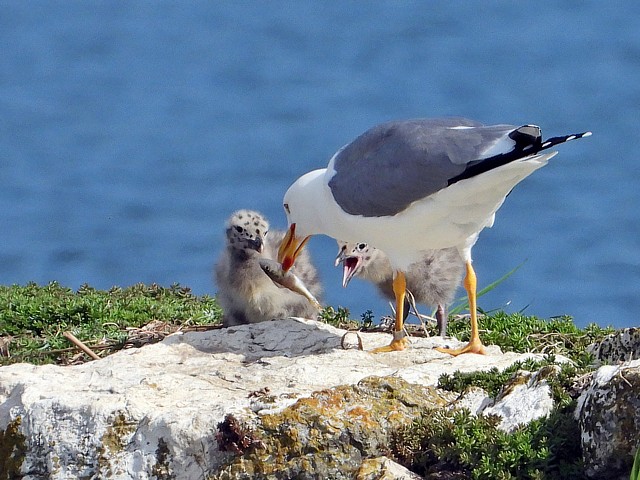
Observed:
{"x":432,"y":281}
{"x":245,"y":293}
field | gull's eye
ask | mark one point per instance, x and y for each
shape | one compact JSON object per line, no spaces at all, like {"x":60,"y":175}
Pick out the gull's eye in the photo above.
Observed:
{"x":286,"y":208}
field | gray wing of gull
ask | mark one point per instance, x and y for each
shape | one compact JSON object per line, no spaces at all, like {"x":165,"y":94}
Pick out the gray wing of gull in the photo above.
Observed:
{"x":392,"y":165}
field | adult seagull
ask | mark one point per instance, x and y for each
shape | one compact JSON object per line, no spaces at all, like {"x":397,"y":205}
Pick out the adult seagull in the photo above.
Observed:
{"x":415,"y":185}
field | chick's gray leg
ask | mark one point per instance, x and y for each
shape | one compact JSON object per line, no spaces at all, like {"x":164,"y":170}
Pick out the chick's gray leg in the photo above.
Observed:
{"x":441,"y":317}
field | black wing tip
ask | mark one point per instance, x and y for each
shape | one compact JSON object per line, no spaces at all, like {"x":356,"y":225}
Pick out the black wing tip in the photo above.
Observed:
{"x":526,"y":137}
{"x":551,"y":142}
{"x":530,"y":130}
{"x":528,"y":140}
{"x":529,"y":137}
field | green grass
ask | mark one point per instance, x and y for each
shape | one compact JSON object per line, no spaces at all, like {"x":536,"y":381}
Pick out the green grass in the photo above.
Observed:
{"x":473,"y":447}
{"x":462,"y":303}
{"x":37,"y":316}
{"x":522,"y":333}
{"x":514,"y":332}
{"x":339,"y":317}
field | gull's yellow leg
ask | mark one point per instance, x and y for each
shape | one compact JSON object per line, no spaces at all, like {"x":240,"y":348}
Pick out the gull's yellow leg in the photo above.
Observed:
{"x":399,"y":341}
{"x":475,"y":344}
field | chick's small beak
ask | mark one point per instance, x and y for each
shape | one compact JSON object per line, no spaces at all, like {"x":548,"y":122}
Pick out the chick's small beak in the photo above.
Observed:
{"x":349,"y":269}
{"x":290,"y":248}
{"x":257,"y":244}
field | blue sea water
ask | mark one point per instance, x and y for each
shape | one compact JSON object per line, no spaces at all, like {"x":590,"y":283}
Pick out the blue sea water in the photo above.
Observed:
{"x":129,"y":131}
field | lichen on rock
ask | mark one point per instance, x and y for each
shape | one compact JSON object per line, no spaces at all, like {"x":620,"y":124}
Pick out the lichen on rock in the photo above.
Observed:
{"x":608,"y":412}
{"x":333,"y":430}
{"x":620,"y":346}
{"x":12,"y":450}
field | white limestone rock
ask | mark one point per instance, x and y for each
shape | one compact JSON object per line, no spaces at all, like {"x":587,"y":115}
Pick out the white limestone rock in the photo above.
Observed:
{"x":525,"y":397}
{"x":153,"y":412}
{"x":608,"y":412}
{"x":383,"y":468}
{"x":474,"y":399}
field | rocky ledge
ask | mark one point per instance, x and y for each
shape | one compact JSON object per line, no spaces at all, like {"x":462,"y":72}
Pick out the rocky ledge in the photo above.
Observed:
{"x":281,"y":399}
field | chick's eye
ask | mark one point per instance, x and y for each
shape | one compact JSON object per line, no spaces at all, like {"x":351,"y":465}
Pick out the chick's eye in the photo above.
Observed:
{"x":239,"y":229}
{"x":361,"y":246}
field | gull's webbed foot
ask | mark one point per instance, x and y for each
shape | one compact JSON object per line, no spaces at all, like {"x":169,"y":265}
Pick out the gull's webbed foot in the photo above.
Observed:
{"x":399,"y":342}
{"x":474,"y":346}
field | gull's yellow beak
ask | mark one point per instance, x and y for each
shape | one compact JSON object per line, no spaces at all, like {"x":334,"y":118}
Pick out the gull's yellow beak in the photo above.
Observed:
{"x":290,"y":247}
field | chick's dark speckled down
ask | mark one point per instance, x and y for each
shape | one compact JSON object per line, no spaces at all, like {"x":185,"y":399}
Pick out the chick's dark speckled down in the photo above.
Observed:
{"x":245,"y":293}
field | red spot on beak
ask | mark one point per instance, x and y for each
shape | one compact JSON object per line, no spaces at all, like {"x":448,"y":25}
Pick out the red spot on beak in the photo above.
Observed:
{"x":287,"y":263}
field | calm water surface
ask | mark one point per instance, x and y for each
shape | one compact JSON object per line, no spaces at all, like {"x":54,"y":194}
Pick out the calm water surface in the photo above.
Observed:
{"x":129,"y":131}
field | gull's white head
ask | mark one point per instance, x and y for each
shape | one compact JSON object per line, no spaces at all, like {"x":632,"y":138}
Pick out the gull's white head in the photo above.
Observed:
{"x":302,"y":205}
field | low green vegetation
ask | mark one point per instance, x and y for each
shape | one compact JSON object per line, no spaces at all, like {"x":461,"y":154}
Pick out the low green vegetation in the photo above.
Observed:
{"x":456,"y":444}
{"x":514,"y":332}
{"x":33,"y":318}
{"x":476,"y":448}
{"x":341,"y":318}
{"x":520,"y":333}
{"x":635,"y":470}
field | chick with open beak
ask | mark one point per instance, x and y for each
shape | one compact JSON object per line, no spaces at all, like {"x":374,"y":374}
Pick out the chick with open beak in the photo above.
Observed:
{"x":351,"y":262}
{"x":432,"y":280}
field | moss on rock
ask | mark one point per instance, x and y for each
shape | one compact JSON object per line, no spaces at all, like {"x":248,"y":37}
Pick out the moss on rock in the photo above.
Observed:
{"x":12,"y":450}
{"x":328,"y":434}
{"x":609,"y":418}
{"x":118,"y":434}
